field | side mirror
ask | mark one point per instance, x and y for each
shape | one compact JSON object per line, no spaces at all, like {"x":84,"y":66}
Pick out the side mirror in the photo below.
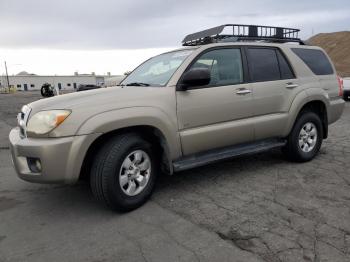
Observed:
{"x":194,"y":77}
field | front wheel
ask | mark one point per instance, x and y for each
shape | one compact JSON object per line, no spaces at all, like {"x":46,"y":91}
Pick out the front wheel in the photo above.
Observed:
{"x":124,"y":171}
{"x":305,"y":139}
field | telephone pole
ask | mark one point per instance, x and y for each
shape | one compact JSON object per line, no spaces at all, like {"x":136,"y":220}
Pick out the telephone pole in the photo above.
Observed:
{"x":7,"y":76}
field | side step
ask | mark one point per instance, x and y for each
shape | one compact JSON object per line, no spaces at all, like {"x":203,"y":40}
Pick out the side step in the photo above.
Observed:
{"x":212,"y":156}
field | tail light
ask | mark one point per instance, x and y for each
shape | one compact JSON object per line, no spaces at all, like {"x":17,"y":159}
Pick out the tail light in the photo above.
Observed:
{"x":341,"y":85}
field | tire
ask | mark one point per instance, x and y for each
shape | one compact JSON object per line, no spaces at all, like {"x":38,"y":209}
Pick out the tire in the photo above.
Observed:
{"x":299,"y":153}
{"x":109,"y":170}
{"x":346,"y":97}
{"x":44,"y":92}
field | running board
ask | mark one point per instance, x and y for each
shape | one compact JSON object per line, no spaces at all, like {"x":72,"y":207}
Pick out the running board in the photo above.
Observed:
{"x":212,"y":156}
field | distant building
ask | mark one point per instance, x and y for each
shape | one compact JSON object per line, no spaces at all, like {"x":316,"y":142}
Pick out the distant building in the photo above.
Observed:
{"x":113,"y":81}
{"x":27,"y":82}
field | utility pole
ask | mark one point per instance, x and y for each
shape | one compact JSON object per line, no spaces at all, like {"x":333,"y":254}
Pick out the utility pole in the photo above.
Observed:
{"x":7,"y":76}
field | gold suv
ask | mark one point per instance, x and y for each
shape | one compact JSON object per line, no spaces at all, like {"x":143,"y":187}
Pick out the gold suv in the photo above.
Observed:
{"x":218,"y":97}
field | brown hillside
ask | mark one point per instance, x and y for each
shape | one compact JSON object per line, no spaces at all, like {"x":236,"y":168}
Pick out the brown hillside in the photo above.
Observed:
{"x":337,"y":46}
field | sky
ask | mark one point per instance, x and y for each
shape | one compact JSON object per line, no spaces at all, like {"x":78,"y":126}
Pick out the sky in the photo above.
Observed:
{"x":64,"y":36}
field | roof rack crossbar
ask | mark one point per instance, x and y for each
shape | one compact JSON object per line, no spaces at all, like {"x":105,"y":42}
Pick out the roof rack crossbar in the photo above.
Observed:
{"x":243,"y":33}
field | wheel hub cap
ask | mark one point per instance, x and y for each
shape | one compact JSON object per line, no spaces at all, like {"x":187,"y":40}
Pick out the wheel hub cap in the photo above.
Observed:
{"x":135,"y":173}
{"x":308,"y":137}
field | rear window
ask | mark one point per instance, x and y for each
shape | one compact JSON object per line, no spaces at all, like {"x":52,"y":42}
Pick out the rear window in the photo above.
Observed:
{"x":316,"y":60}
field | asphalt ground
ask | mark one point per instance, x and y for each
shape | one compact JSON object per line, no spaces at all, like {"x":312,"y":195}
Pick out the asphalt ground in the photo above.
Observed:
{"x":256,"y":208}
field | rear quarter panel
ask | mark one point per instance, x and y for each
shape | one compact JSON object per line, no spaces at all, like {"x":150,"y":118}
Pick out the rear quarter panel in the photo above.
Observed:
{"x":311,"y":87}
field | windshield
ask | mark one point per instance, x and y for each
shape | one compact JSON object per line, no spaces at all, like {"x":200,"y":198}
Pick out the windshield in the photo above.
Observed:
{"x":158,"y":70}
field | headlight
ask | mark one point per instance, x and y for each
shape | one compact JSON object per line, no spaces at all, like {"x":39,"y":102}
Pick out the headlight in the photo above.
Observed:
{"x":45,"y":121}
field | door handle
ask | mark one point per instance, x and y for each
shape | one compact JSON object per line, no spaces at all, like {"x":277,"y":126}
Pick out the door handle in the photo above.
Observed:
{"x":291,"y":85}
{"x":243,"y":91}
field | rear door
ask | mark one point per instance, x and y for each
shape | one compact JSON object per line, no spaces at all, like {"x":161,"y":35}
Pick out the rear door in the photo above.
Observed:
{"x":274,"y":87}
{"x":218,"y":114}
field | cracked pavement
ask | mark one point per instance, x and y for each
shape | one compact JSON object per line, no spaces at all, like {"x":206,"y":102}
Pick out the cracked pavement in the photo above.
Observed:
{"x":256,"y":208}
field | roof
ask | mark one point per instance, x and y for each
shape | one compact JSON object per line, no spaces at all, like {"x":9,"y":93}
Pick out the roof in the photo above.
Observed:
{"x":255,"y":43}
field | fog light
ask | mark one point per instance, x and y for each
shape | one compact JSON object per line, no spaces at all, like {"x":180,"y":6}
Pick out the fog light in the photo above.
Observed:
{"x":34,"y":164}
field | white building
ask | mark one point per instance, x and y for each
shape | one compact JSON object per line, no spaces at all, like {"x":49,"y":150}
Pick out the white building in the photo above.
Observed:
{"x":27,"y":82}
{"x":113,"y":81}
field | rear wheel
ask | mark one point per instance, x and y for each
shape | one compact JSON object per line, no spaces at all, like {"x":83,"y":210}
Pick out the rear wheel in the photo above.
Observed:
{"x":305,"y":139}
{"x":124,"y":171}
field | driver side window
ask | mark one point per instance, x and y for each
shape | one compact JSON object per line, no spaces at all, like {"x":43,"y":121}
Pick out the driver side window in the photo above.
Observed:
{"x":225,"y":66}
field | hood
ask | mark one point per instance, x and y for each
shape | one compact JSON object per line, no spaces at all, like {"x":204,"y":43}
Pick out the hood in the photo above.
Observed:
{"x":100,"y":99}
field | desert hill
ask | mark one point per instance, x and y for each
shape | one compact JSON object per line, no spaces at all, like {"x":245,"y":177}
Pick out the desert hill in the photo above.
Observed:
{"x":337,"y":46}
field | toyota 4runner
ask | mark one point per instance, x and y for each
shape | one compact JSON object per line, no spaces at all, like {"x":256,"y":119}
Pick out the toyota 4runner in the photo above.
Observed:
{"x":220,"y":96}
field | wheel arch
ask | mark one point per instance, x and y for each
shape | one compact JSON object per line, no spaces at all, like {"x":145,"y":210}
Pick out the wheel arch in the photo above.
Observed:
{"x":318,"y":107}
{"x":304,"y":102}
{"x":150,"y":133}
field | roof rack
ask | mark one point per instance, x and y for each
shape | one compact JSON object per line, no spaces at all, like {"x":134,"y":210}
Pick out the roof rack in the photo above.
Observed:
{"x":243,"y":33}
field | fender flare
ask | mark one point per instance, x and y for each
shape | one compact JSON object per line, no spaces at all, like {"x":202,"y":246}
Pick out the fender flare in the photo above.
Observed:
{"x":301,"y":99}
{"x":113,"y":120}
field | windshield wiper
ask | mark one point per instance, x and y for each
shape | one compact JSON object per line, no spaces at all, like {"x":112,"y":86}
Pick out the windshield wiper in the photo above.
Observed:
{"x":137,"y":84}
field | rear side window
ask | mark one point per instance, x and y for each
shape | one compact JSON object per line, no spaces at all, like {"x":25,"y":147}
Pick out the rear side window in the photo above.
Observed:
{"x":263,"y":64}
{"x":316,"y":60}
{"x":286,"y":71}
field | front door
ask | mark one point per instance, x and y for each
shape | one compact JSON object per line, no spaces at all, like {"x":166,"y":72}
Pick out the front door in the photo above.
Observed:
{"x":25,"y":87}
{"x":216,"y":115}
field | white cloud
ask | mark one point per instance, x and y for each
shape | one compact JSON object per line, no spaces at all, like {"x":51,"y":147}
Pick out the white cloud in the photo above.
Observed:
{"x":49,"y":37}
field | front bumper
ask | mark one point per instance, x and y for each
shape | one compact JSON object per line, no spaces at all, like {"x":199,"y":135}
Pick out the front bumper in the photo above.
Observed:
{"x":61,"y":158}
